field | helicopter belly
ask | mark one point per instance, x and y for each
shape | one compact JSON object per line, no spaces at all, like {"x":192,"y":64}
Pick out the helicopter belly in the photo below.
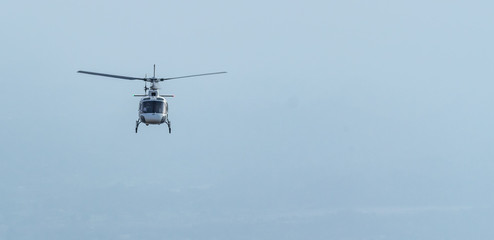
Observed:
{"x":153,"y":118}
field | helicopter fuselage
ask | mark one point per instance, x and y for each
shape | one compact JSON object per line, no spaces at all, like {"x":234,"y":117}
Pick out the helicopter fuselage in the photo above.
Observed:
{"x":153,"y":110}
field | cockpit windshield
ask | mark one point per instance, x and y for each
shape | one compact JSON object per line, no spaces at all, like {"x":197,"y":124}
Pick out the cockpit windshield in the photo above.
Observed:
{"x":152,"y":107}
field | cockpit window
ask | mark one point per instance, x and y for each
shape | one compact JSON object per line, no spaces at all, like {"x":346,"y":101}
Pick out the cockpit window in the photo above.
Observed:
{"x":152,"y":107}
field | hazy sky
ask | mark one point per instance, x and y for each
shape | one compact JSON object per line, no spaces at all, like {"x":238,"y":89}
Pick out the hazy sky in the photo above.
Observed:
{"x":336,"y":120}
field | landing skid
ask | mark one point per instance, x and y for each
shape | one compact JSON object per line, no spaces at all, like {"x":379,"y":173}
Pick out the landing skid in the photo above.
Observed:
{"x":137,"y":124}
{"x":168,"y":123}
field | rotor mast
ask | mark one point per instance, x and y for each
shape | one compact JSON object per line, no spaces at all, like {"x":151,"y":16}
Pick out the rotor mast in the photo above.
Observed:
{"x":154,"y":81}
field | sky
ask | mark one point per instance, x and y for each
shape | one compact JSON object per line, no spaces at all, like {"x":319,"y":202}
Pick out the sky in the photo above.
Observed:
{"x":336,"y":120}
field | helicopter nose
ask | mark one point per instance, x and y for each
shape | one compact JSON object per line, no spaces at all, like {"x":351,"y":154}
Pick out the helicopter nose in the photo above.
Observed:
{"x":152,"y":118}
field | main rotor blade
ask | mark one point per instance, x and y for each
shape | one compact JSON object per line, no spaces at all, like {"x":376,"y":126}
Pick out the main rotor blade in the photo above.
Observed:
{"x":113,"y":76}
{"x":197,"y":75}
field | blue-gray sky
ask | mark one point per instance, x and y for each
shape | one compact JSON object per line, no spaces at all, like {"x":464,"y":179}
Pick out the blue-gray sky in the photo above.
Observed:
{"x":336,"y":120}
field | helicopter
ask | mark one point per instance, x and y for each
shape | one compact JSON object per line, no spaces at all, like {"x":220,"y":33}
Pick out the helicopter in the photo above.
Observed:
{"x":153,"y":107}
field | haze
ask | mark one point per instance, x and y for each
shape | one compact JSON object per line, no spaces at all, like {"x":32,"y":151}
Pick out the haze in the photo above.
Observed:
{"x":336,"y":120}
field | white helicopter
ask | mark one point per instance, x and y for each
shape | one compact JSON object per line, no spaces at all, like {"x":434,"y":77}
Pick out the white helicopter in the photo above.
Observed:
{"x":153,"y":108}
